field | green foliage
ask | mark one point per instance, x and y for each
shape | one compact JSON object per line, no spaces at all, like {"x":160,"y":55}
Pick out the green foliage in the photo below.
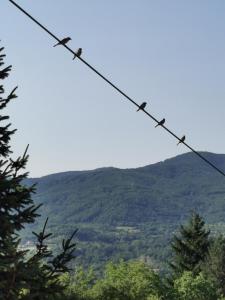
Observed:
{"x":163,"y":192}
{"x":134,"y":280}
{"x":127,"y":281}
{"x":191,"y":247}
{"x":154,"y":298}
{"x":123,"y":281}
{"x":214,"y":266}
{"x":153,"y":200}
{"x":190,"y":287}
{"x":79,"y":284}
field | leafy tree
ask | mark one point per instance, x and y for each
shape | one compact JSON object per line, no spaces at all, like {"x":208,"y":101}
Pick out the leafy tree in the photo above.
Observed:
{"x":191,"y":287}
{"x":154,"y":298}
{"x":128,"y":281}
{"x":79,"y":285}
{"x":190,"y":247}
{"x":22,"y":277}
{"x":214,"y":266}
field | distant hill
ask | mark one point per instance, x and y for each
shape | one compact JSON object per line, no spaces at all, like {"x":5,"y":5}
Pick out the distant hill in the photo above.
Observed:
{"x":165,"y":191}
{"x":161,"y":193}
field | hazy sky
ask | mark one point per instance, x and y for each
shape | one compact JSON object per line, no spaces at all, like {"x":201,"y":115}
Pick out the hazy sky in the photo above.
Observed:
{"x":168,"y":53}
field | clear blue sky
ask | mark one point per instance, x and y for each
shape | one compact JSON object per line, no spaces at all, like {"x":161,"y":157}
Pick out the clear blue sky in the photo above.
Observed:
{"x":168,"y":53}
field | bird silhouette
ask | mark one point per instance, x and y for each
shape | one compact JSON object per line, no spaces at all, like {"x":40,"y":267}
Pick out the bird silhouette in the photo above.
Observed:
{"x":181,"y":140}
{"x":160,"y":123}
{"x":63,"y":41}
{"x":142,"y":106}
{"x":78,"y":53}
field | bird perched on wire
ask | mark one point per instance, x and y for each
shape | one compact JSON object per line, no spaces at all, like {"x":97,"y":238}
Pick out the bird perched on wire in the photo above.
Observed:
{"x":78,"y":53}
{"x":181,"y":140}
{"x":63,"y":41}
{"x":160,"y":123}
{"x":142,"y":106}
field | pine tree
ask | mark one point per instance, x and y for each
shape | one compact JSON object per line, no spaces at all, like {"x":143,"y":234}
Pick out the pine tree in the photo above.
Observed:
{"x":214,"y":266}
{"x":20,"y":277}
{"x":190,"y":247}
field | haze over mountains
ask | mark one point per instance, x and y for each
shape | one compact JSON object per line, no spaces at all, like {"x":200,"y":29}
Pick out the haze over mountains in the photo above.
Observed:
{"x":131,"y":213}
{"x":166,"y":191}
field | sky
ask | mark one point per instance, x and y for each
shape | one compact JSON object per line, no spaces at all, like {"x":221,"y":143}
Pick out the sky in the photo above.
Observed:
{"x":170,"y":54}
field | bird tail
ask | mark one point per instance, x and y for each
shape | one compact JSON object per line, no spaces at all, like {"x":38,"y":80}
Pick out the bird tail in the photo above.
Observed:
{"x":138,"y":109}
{"x":178,"y":143}
{"x":56,"y":45}
{"x":156,"y":125}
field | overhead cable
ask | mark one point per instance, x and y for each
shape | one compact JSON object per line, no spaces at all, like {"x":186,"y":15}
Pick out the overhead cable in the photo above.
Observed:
{"x":180,"y":140}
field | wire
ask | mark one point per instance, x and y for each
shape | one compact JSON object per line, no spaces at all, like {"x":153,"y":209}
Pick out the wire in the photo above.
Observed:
{"x":116,"y":88}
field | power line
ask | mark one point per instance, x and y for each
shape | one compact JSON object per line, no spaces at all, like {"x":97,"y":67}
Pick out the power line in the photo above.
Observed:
{"x":116,"y":88}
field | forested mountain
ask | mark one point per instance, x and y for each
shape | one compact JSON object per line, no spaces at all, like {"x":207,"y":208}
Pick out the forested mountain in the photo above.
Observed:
{"x":165,"y":191}
{"x":134,"y":210}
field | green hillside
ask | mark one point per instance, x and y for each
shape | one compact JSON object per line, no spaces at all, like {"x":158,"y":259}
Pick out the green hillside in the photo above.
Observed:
{"x":132,"y":212}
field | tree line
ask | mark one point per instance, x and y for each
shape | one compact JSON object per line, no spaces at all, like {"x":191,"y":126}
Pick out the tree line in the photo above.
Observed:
{"x":197,"y":272}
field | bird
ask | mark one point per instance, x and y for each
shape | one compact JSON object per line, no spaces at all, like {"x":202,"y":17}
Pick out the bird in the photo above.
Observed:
{"x":78,"y":53}
{"x":160,"y":123}
{"x":63,"y":41}
{"x":181,"y":140}
{"x":142,"y":106}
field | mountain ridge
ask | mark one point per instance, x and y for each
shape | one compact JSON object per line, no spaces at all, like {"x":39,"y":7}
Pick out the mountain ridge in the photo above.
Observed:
{"x":129,"y":213}
{"x":161,"y":190}
{"x":204,"y":153}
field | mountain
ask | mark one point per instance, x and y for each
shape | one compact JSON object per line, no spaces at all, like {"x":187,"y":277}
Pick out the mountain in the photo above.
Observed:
{"x":136,"y":203}
{"x":165,"y":191}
